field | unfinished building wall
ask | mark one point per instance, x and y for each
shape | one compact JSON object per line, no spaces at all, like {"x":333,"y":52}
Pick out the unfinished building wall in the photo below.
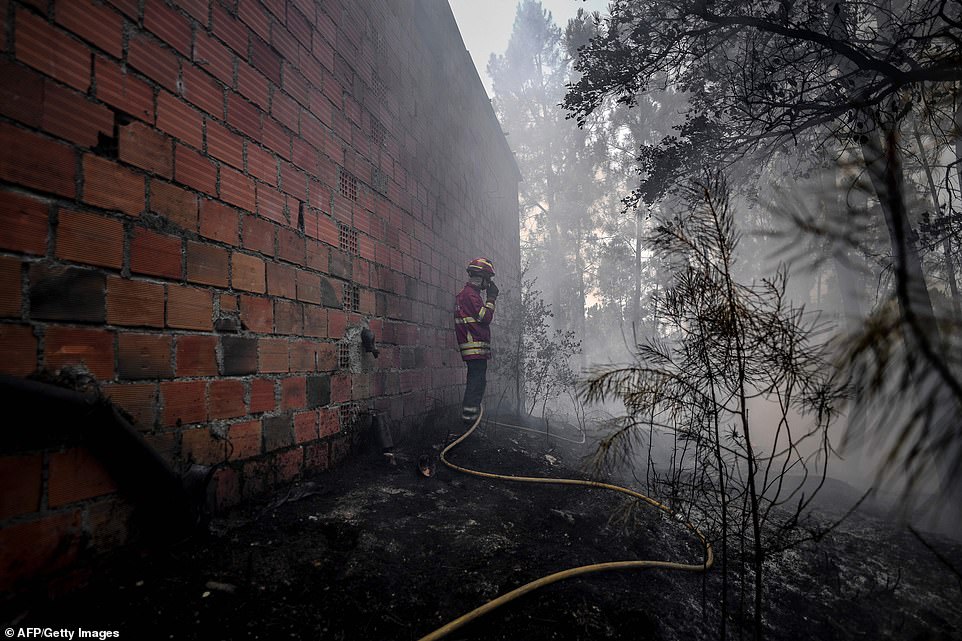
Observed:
{"x":202,"y":203}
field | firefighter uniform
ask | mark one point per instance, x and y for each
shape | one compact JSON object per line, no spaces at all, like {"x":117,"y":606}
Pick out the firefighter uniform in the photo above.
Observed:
{"x":472,"y":319}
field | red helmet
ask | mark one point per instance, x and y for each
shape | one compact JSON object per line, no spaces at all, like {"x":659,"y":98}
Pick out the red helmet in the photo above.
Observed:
{"x":480,"y":266}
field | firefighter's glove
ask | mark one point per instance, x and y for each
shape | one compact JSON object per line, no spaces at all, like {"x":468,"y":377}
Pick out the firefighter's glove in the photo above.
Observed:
{"x":492,"y":290}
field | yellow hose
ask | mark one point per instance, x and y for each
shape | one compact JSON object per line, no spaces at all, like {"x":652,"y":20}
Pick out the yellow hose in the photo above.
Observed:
{"x":571,"y":572}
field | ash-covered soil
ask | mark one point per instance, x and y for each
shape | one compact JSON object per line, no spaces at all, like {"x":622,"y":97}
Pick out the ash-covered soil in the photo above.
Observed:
{"x":375,"y":552}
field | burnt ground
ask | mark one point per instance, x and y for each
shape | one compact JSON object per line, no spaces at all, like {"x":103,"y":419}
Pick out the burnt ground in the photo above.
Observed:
{"x":374,"y":552}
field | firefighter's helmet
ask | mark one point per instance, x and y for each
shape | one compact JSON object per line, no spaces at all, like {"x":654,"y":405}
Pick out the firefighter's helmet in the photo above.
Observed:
{"x":480,"y":267}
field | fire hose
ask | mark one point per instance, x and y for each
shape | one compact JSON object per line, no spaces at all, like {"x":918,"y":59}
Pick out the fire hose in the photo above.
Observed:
{"x":571,"y":572}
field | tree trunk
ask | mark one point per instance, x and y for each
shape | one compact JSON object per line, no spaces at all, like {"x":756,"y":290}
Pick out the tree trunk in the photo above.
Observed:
{"x":884,"y":168}
{"x":947,"y":241}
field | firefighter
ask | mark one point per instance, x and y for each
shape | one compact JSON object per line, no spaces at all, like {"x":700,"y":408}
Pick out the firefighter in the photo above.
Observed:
{"x":472,"y":320}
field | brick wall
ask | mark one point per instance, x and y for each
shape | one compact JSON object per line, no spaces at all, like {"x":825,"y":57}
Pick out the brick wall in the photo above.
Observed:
{"x":203,"y":201}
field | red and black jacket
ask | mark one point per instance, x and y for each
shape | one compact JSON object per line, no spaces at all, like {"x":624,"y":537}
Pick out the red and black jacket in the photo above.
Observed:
{"x":472,"y":317}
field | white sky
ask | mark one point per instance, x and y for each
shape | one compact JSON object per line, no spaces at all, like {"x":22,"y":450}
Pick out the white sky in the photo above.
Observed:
{"x":486,"y":24}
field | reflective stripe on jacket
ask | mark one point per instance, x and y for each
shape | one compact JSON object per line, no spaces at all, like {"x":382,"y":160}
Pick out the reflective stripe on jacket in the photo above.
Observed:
{"x":472,"y":317}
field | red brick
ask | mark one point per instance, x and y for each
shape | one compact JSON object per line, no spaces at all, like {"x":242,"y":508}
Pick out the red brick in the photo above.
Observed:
{"x":196,"y":356}
{"x":179,"y":120}
{"x":93,"y":348}
{"x":189,"y":308}
{"x":328,"y":422}
{"x":214,"y":58}
{"x":261,"y":164}
{"x":43,"y":546}
{"x":10,"y":287}
{"x":178,"y":205}
{"x":134,"y":303}
{"x":282,"y":40}
{"x":120,"y":89}
{"x":340,"y":388}
{"x":317,"y":456}
{"x":300,"y":24}
{"x":225,"y":145}
{"x":228,"y":303}
{"x":20,"y":93}
{"x":263,"y":395}
{"x":226,"y":483}
{"x":76,"y":475}
{"x":20,"y":478}
{"x":107,"y":523}
{"x":252,"y":84}
{"x":229,"y":29}
{"x":68,"y":62}
{"x":259,"y":235}
{"x":154,"y":61}
{"x":305,"y":157}
{"x":294,"y":181}
{"x":226,"y":399}
{"x":94,"y":23}
{"x":183,"y":402}
{"x":90,"y":238}
{"x":244,"y":116}
{"x":284,"y":110}
{"x":206,"y":264}
{"x":294,"y":393}
{"x":111,"y":186}
{"x":194,"y":170}
{"x":245,"y":439}
{"x":236,"y":189}
{"x":266,"y":60}
{"x":27,"y":159}
{"x":70,"y":115}
{"x":130,"y":8}
{"x":288,"y":317}
{"x":323,"y":228}
{"x":203,"y":91}
{"x":288,"y":464}
{"x":139,"y":400}
{"x":336,"y":323}
{"x":276,"y":138}
{"x":248,"y":273}
{"x":315,"y":321}
{"x":168,"y":25}
{"x":146,"y":148}
{"x":200,"y":446}
{"x":19,"y":347}
{"x":280,"y":280}
{"x":143,"y":356}
{"x":256,"y":314}
{"x":198,"y":9}
{"x":254,"y":17}
{"x":290,"y":246}
{"x":218,"y":222}
{"x":25,"y":224}
{"x":273,"y":355}
{"x":305,"y":426}
{"x":307,"y":286}
{"x":271,"y":203}
{"x":155,"y":254}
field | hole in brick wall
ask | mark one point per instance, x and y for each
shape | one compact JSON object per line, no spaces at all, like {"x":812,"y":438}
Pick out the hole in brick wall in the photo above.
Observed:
{"x":347,"y":415}
{"x":378,"y":88}
{"x":347,"y":238}
{"x":347,"y":184}
{"x":378,"y":41}
{"x":379,"y":181}
{"x":343,"y":355}
{"x":352,"y":297}
{"x":378,"y":132}
{"x":300,"y":217}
